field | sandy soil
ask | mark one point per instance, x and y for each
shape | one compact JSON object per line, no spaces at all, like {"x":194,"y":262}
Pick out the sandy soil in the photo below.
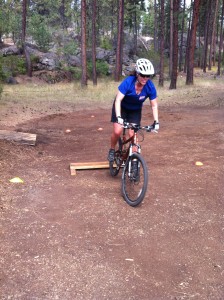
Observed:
{"x":74,"y":237}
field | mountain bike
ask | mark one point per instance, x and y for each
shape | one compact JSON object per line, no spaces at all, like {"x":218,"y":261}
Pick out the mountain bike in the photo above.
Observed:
{"x":135,"y":171}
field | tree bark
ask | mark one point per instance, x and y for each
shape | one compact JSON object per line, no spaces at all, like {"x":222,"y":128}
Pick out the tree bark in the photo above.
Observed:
{"x":213,"y":33}
{"x":24,"y":49}
{"x":220,"y":42}
{"x":162,"y":33}
{"x":182,"y":36}
{"x":173,"y":83}
{"x":171,"y":38}
{"x":206,"y":34}
{"x":119,"y":56}
{"x":155,"y":26}
{"x":83,"y":43}
{"x":188,"y":40}
{"x":94,"y":41}
{"x":190,"y":61}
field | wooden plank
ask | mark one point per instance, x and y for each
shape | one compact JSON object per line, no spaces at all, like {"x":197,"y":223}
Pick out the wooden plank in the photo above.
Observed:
{"x":21,"y":137}
{"x":88,"y":166}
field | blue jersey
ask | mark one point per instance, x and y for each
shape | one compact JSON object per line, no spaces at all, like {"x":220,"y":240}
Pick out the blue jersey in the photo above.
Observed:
{"x":133,"y":101}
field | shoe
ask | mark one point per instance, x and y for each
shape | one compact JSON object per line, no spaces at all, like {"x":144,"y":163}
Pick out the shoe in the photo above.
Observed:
{"x":111,"y":155}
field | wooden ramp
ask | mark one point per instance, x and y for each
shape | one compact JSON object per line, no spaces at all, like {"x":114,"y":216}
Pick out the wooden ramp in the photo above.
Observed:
{"x":88,"y":165}
{"x":21,"y":137}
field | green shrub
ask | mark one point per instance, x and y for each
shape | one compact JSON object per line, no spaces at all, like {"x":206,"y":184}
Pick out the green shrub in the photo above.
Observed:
{"x":76,"y":73}
{"x":14,"y":65}
{"x":105,"y":43}
{"x":70,"y":48}
{"x":38,"y":29}
{"x":1,"y":90}
{"x":11,"y":66}
{"x":102,"y":68}
{"x":2,"y":73}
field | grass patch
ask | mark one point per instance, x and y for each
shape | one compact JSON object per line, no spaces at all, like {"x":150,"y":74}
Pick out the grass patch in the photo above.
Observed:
{"x":103,"y":94}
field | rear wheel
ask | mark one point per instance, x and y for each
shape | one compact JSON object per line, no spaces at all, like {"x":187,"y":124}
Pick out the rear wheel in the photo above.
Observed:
{"x":116,"y":164}
{"x":134,"y":179}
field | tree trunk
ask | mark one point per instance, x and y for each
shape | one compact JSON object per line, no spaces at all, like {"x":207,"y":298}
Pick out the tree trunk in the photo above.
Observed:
{"x":213,"y":34}
{"x":83,"y":43}
{"x":135,"y":32}
{"x":188,"y":40}
{"x":182,"y":36}
{"x":220,"y":42}
{"x":155,"y":26}
{"x":206,"y":34}
{"x":24,"y":49}
{"x":190,"y":62}
{"x":171,"y":38}
{"x":62,"y":14}
{"x":161,"y":69}
{"x":173,"y":83}
{"x":119,"y":56}
{"x":94,"y":41}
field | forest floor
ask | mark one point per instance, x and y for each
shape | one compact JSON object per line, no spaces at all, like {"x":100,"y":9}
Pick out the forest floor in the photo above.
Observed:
{"x":74,"y":237}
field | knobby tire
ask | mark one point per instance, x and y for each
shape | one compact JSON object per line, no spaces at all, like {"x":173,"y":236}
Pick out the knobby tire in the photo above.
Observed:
{"x":134,"y":186}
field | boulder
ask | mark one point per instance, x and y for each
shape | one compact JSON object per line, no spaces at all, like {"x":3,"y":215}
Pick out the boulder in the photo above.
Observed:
{"x":11,"y":50}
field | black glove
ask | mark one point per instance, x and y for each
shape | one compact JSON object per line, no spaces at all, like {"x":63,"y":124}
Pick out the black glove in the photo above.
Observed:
{"x":155,"y":125}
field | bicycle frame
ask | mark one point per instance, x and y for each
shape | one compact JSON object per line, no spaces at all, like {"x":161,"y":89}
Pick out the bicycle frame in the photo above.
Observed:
{"x":133,"y":143}
{"x":135,"y":171}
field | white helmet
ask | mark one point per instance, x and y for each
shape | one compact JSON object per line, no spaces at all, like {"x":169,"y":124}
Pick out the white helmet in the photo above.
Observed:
{"x":144,"y":66}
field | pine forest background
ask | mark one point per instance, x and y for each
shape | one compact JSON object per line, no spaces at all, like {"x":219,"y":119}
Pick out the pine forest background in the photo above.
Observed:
{"x":182,"y":34}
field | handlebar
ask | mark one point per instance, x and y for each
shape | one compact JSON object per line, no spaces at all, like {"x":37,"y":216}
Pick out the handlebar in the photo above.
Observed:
{"x":137,"y":127}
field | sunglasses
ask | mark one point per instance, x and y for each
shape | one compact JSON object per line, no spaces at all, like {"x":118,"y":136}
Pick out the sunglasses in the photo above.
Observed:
{"x":144,"y":76}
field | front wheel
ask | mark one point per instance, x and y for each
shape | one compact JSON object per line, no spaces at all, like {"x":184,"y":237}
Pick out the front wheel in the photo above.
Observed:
{"x":134,"y":179}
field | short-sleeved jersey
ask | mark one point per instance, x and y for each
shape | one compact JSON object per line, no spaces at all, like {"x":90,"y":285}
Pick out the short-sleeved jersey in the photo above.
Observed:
{"x":133,"y":101}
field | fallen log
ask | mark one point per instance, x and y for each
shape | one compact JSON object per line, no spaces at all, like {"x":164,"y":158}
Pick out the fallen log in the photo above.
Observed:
{"x":20,"y":137}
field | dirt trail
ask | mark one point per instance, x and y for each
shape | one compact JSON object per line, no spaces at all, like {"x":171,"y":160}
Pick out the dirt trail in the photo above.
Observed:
{"x":74,"y":237}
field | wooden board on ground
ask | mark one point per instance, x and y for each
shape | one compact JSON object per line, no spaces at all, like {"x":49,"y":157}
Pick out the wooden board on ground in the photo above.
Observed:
{"x":20,"y":137}
{"x":88,"y":165}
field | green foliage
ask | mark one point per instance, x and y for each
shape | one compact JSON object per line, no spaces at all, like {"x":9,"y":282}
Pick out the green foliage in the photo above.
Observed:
{"x":1,"y":90}
{"x":151,"y":55}
{"x":102,"y":68}
{"x":2,"y":73}
{"x":3,"y":24}
{"x":11,"y":66}
{"x":105,"y":43}
{"x":70,"y":48}
{"x":15,"y":26}
{"x":75,"y":72}
{"x":39,"y":31}
{"x":148,"y":23}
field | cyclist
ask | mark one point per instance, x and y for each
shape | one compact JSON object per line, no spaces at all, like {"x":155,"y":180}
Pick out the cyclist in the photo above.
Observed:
{"x":132,"y":92}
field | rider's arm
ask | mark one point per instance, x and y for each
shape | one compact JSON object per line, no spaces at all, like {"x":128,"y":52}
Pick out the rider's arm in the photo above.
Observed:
{"x":118,"y":100}
{"x":154,"y":105}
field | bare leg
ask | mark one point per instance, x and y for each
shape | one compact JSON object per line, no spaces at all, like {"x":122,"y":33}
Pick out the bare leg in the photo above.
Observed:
{"x":117,"y":130}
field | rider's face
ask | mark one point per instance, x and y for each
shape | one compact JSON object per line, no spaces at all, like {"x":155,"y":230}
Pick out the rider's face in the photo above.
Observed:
{"x":143,"y":78}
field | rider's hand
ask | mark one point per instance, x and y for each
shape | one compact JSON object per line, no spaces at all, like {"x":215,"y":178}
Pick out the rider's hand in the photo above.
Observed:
{"x":155,"y":125}
{"x":120,"y":120}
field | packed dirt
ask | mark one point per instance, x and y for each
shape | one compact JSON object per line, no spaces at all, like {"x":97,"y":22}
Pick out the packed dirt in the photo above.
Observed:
{"x":74,"y":237}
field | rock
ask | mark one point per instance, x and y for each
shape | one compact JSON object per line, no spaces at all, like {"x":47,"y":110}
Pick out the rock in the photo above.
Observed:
{"x":11,"y":80}
{"x":11,"y":50}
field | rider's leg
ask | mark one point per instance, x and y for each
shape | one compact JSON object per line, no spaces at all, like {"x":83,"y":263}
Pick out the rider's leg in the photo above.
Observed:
{"x":117,"y":130}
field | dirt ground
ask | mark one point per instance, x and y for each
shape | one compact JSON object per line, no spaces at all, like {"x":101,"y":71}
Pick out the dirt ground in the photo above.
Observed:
{"x":74,"y":237}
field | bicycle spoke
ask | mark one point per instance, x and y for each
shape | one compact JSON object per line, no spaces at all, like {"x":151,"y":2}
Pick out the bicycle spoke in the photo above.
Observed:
{"x":135,"y":181}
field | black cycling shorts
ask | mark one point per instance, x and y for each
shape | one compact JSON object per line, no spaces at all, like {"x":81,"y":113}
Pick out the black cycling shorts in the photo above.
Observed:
{"x":131,"y":116}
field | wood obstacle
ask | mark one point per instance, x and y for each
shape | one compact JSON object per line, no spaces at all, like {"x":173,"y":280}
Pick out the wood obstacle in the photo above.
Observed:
{"x":21,"y":137}
{"x":88,"y":166}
